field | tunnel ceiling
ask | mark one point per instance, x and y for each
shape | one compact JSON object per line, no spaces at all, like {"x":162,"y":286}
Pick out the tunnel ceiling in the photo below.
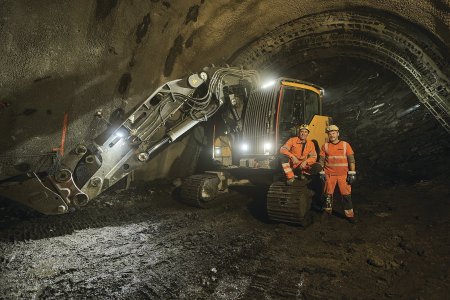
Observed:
{"x":62,"y":57}
{"x":393,"y":43}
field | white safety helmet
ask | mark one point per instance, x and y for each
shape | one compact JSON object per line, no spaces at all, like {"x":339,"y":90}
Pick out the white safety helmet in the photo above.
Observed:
{"x":303,"y":126}
{"x":332,"y":128}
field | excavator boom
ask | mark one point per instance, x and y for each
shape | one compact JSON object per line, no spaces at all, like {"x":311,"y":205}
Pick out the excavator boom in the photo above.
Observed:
{"x":89,"y":169}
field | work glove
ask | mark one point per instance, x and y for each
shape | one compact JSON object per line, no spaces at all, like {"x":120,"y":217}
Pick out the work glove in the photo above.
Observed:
{"x":323,"y":178}
{"x":351,"y":177}
{"x":295,"y":160}
{"x":303,"y":164}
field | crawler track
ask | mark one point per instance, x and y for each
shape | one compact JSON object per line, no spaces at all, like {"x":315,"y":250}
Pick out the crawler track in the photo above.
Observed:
{"x":289,"y":203}
{"x":200,"y":190}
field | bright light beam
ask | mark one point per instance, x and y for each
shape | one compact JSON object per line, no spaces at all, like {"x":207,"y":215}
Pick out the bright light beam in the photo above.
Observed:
{"x":268,"y":84}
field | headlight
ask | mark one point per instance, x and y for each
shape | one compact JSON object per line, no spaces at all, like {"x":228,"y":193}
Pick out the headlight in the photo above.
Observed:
{"x":217,"y":151}
{"x":120,"y":133}
{"x":244,"y":147}
{"x":267,"y":84}
{"x":267,"y":147}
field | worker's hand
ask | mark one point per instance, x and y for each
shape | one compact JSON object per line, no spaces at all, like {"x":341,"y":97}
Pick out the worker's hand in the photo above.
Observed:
{"x":351,"y":177}
{"x":295,"y":160}
{"x":303,"y":164}
{"x":323,"y":178}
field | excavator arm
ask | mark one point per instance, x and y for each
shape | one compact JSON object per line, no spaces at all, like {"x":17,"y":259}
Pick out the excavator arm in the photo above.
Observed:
{"x":89,"y":169}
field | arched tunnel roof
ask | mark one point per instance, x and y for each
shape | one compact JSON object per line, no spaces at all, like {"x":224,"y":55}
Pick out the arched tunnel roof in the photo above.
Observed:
{"x":108,"y":56}
{"x":72,"y":72}
{"x":393,"y":43}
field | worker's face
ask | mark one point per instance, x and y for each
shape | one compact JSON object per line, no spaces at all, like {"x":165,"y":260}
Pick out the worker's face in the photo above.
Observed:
{"x":333,"y":136}
{"x":303,"y":134}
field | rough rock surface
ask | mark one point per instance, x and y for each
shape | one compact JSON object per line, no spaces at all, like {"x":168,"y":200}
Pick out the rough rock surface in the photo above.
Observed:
{"x":62,"y":57}
{"x":146,"y":245}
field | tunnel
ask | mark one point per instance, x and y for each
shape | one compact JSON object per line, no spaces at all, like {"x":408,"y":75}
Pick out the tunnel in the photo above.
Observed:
{"x":73,"y":70}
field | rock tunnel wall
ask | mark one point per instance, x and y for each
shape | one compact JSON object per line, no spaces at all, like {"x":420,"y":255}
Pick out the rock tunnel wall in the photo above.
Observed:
{"x":84,"y":57}
{"x":394,"y":136}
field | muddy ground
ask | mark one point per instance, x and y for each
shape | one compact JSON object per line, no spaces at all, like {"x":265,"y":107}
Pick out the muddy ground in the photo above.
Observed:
{"x":143,"y":244}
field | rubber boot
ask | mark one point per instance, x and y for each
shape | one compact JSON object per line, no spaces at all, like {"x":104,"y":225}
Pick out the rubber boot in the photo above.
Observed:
{"x":290,"y":181}
{"x":352,"y":220}
{"x":348,"y":209}
{"x":350,"y":216}
{"x":328,"y":205}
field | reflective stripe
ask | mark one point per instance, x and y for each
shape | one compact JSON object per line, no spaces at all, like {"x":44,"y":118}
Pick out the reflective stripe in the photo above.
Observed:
{"x":345,"y":150}
{"x":294,"y":148}
{"x":336,"y":161}
{"x":286,"y":166}
{"x":312,"y":155}
{"x":287,"y":170}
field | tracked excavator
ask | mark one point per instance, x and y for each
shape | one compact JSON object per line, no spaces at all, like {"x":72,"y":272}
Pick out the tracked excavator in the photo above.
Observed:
{"x":254,"y":122}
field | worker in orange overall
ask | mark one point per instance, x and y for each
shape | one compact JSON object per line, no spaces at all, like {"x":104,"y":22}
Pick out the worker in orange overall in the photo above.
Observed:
{"x":338,"y":161}
{"x":298,"y":152}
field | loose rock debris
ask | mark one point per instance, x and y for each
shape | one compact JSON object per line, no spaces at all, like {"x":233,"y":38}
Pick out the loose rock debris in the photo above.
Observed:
{"x":146,"y":245}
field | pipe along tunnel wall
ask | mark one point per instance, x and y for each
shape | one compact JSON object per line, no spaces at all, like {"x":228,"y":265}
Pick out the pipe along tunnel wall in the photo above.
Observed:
{"x":384,"y":67}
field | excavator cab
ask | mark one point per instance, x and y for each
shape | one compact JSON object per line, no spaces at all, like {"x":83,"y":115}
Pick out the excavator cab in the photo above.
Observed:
{"x":271,"y":116}
{"x":249,"y":152}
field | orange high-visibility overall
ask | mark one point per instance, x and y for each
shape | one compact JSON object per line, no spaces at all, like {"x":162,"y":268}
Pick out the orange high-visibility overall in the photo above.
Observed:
{"x":302,"y":150}
{"x":336,"y":168}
